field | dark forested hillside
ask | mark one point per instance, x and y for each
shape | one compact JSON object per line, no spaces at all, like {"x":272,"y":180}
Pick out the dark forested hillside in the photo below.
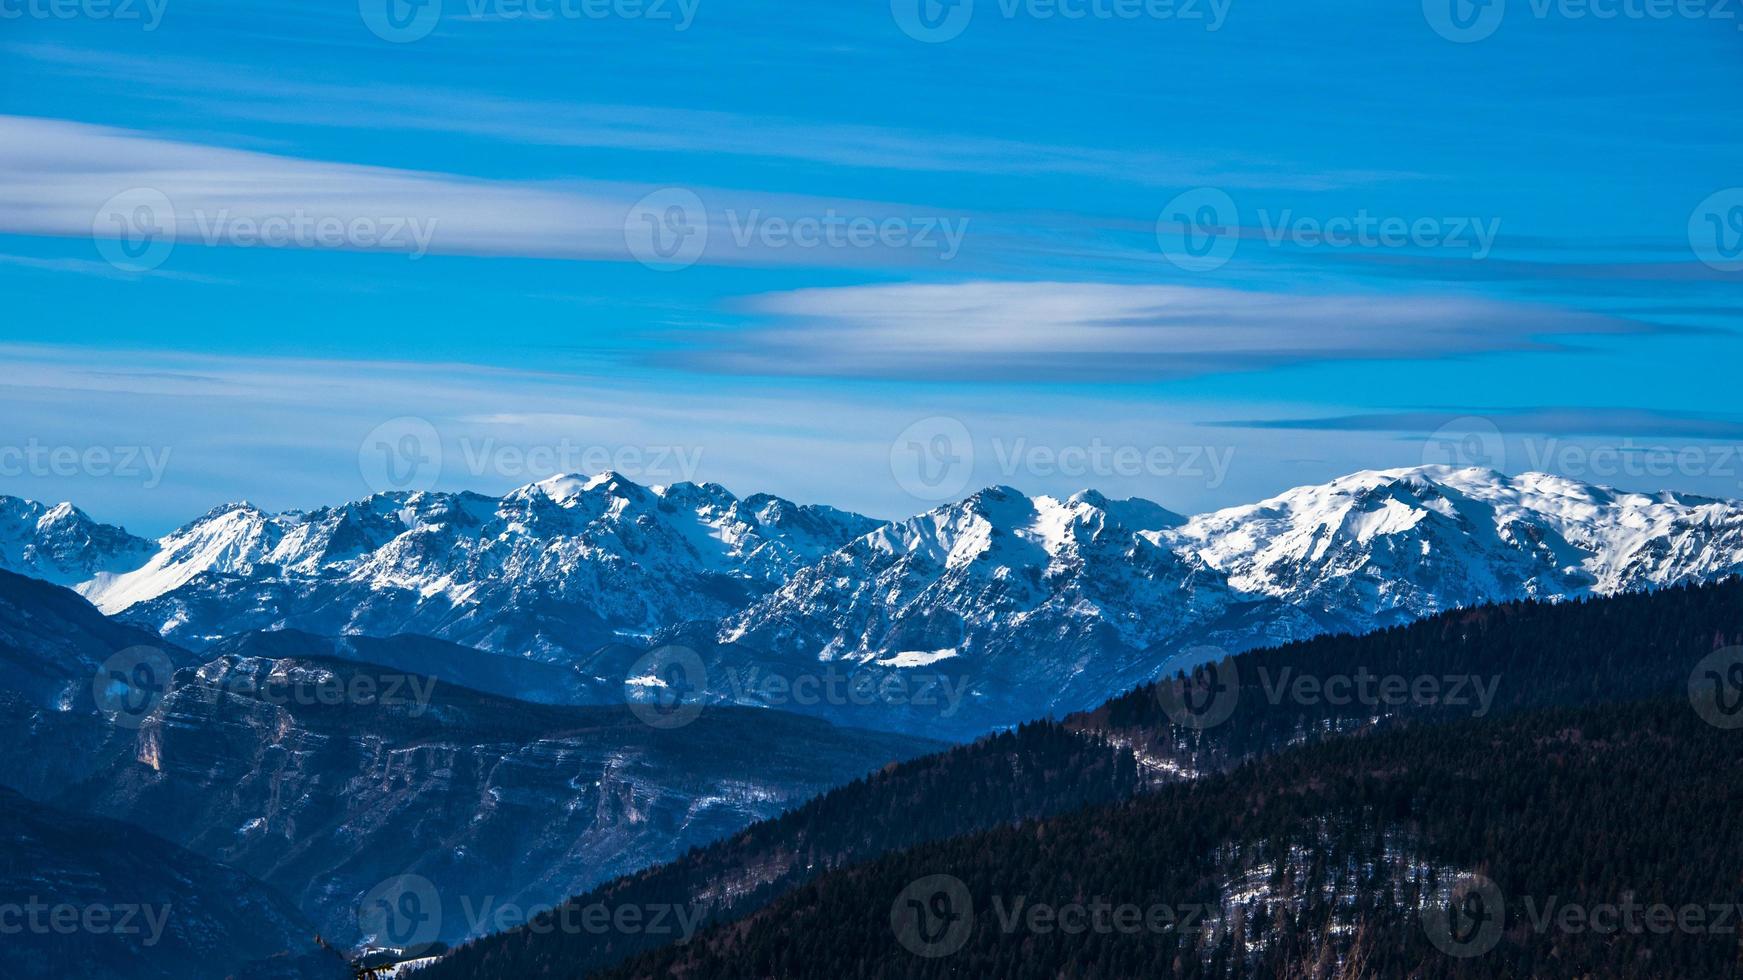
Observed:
{"x":81,"y":896}
{"x":1474,"y":663}
{"x":1487,"y":663}
{"x":1037,"y":770}
{"x":1583,"y":842}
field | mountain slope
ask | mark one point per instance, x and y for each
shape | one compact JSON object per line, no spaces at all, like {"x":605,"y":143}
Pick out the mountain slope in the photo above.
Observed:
{"x":142,"y":908}
{"x":1020,"y":606}
{"x":450,"y":663}
{"x":52,"y":642}
{"x":325,"y":778}
{"x":550,"y":570}
{"x":1427,"y":853}
{"x":1607,"y":650}
{"x":54,"y":646}
{"x":1382,"y":547}
{"x":1039,"y":604}
{"x":61,"y":544}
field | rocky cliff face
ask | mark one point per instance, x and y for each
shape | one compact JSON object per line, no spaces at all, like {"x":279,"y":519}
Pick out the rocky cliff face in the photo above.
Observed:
{"x":328,"y":779}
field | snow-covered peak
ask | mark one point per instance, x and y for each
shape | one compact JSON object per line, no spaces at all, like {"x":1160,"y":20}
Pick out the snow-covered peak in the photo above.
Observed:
{"x":1072,"y":598}
{"x":1417,"y":540}
{"x":596,"y":493}
{"x":61,"y":543}
{"x":630,"y":557}
{"x":1002,"y":528}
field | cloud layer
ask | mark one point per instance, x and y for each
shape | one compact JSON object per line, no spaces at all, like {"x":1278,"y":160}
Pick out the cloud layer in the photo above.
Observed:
{"x":74,"y":179}
{"x":1068,"y":331}
{"x":1561,"y":421}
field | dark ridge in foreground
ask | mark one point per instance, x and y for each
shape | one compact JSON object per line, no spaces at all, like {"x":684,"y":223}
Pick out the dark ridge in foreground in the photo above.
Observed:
{"x":1434,"y":852}
{"x":89,"y":897}
{"x":1526,"y":655}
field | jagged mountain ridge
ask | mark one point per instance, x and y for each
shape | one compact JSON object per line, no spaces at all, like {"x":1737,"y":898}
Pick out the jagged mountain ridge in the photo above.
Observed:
{"x":551,"y":570}
{"x":1038,"y":605}
{"x":62,"y":544}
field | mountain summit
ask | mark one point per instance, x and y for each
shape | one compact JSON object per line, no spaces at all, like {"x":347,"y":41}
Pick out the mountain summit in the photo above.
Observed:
{"x":1032,"y":604}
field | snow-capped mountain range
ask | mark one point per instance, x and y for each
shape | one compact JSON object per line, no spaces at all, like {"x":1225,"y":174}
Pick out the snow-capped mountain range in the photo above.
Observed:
{"x":1035,"y":604}
{"x":61,"y":544}
{"x":552,"y":570}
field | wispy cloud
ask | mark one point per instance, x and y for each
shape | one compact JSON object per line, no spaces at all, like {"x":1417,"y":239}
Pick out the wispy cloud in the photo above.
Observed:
{"x":667,"y":129}
{"x":1065,"y":331}
{"x":102,"y":270}
{"x":74,"y":179}
{"x":1562,"y":421}
{"x":287,"y":432}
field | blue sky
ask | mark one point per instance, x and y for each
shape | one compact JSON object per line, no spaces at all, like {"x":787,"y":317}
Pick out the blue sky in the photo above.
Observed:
{"x":1007,"y":294}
